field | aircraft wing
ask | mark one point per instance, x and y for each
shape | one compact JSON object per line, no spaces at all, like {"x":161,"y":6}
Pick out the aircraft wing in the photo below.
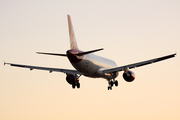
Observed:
{"x":139,"y":64}
{"x":45,"y":68}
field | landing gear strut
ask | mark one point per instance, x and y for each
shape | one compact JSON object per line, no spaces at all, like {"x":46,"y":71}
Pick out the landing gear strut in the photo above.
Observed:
{"x":113,"y":81}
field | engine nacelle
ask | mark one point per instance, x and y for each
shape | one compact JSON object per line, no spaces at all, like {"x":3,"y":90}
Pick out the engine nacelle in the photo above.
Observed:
{"x":129,"y":76}
{"x":71,"y":79}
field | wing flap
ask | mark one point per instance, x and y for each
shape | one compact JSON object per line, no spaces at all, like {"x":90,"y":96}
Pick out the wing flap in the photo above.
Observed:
{"x":139,"y":64}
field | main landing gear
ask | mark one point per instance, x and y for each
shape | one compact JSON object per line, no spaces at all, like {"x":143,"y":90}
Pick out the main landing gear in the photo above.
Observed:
{"x":76,"y":82}
{"x":111,"y":83}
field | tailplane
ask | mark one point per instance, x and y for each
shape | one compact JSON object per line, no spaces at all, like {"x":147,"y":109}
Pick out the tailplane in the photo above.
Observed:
{"x":78,"y":54}
{"x":73,"y":43}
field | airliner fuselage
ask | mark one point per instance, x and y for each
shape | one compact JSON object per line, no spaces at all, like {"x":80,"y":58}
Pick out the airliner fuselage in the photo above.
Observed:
{"x":91,"y":65}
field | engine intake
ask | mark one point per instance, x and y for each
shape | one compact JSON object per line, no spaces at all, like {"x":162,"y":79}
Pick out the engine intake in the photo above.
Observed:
{"x":129,"y":76}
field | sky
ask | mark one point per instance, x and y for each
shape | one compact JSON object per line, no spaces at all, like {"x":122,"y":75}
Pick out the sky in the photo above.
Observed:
{"x":129,"y":31}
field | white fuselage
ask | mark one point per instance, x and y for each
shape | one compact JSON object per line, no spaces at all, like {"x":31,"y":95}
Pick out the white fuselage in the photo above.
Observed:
{"x":92,"y":65}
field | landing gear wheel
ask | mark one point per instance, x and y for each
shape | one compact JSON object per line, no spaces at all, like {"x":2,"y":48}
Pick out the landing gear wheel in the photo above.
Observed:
{"x":78,"y":85}
{"x":111,"y":83}
{"x":73,"y":86}
{"x":116,"y":83}
{"x":109,"y":88}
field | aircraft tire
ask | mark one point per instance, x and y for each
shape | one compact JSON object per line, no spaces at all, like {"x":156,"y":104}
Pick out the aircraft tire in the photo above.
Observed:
{"x":111,"y":83}
{"x":109,"y":88}
{"x":78,"y":85}
{"x":73,"y":86}
{"x":116,"y":83}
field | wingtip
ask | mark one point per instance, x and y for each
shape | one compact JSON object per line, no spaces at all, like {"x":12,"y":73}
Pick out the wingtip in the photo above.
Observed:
{"x":4,"y":63}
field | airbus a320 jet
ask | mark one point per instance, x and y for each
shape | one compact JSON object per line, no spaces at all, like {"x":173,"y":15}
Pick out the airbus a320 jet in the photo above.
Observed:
{"x":90,"y":65}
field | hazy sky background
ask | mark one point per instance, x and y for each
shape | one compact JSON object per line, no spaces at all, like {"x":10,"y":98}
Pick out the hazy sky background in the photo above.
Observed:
{"x":129,"y":30}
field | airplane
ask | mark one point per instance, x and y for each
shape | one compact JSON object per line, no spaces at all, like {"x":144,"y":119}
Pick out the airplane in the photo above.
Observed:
{"x":90,"y":65}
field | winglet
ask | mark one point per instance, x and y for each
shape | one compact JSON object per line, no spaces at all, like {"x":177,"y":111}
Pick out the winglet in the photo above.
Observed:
{"x":4,"y":63}
{"x":73,"y":43}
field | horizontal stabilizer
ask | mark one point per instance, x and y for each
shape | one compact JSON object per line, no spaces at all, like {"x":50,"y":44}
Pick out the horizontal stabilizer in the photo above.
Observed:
{"x":51,"y":54}
{"x":78,"y":54}
{"x":88,"y":52}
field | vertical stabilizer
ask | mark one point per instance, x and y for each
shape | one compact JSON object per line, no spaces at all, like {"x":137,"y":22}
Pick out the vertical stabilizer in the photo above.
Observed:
{"x":73,"y":43}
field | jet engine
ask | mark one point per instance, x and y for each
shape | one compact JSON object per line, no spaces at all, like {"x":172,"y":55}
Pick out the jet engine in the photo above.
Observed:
{"x":70,"y":78}
{"x":128,"y":76}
